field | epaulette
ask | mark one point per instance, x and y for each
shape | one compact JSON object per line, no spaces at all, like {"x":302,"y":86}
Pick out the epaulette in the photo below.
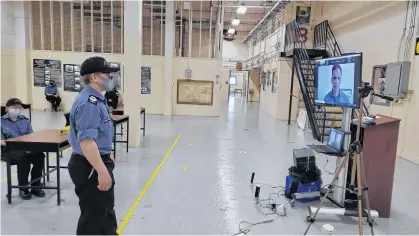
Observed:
{"x":92,"y":99}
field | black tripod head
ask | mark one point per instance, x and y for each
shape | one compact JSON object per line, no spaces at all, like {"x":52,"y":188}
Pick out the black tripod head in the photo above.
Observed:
{"x":365,"y":89}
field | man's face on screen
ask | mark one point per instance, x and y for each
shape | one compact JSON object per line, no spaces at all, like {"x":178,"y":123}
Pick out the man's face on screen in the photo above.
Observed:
{"x":336,"y":77}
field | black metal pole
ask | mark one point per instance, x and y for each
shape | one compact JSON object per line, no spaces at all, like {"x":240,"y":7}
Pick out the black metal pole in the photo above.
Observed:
{"x":58,"y":179}
{"x":291,"y":90}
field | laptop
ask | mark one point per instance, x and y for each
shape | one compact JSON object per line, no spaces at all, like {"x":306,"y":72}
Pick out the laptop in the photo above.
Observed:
{"x":334,"y":143}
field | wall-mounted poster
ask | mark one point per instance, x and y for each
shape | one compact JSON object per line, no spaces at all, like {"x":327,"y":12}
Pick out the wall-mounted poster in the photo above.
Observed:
{"x":195,"y":92}
{"x":303,"y":15}
{"x":72,"y":81}
{"x":263,"y":80}
{"x":45,"y":70}
{"x":274,"y":82}
{"x":417,"y":47}
{"x":145,"y":80}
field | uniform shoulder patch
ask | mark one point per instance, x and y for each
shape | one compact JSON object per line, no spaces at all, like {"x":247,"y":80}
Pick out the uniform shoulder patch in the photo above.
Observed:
{"x":92,"y":99}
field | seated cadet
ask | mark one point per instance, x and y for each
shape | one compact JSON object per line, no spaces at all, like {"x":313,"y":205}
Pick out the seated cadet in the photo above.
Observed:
{"x":13,"y":124}
{"x":52,"y":95}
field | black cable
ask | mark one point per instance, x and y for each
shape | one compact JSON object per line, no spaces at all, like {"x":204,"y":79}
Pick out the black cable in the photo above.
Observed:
{"x":247,"y":229}
{"x":324,"y":167}
{"x":403,"y":33}
{"x":271,"y":186}
{"x":411,"y":31}
{"x":272,"y":205}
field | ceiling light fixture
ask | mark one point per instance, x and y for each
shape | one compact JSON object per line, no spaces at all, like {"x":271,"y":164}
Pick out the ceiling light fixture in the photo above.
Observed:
{"x":235,"y":22}
{"x":231,"y":31}
{"x":242,"y":9}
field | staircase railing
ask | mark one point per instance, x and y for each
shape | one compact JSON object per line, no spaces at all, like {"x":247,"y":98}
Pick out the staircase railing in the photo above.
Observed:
{"x":325,"y":39}
{"x":305,"y":73}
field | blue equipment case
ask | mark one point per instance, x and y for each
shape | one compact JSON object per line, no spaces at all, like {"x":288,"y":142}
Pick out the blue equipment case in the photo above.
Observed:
{"x":303,"y":188}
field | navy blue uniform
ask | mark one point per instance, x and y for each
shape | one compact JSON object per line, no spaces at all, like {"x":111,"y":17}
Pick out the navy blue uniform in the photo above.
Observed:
{"x":336,"y":100}
{"x":90,"y":119}
{"x":55,"y":101}
{"x":15,"y":128}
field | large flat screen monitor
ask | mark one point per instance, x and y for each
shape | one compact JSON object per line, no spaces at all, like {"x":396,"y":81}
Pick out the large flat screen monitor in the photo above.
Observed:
{"x":337,"y":80}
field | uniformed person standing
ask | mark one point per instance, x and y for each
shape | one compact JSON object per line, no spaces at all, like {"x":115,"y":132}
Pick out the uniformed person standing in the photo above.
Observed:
{"x":91,"y":163}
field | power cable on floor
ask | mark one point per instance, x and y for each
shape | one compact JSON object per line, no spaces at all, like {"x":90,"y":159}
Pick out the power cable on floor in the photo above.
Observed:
{"x":271,"y":205}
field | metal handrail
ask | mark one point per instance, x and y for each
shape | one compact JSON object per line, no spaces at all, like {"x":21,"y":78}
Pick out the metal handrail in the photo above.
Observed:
{"x":300,"y":55}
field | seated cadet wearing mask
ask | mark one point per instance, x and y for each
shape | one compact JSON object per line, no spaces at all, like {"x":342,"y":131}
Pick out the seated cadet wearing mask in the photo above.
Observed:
{"x":52,"y":95}
{"x":13,"y":124}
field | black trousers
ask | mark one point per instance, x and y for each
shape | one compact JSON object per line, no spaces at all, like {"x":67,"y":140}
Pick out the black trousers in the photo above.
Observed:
{"x":24,"y":167}
{"x":55,"y":101}
{"x":97,"y":207}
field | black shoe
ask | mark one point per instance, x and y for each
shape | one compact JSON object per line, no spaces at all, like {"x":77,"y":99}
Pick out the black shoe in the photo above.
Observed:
{"x":25,"y":194}
{"x":38,"y":192}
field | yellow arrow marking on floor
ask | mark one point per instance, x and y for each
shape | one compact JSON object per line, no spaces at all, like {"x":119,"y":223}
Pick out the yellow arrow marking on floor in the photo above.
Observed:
{"x":243,"y":152}
{"x":190,"y":145}
{"x":51,"y":157}
{"x":184,"y":168}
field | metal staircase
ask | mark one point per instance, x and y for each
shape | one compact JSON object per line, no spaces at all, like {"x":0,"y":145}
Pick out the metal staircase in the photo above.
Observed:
{"x":325,"y":39}
{"x":321,"y":118}
{"x":304,"y":67}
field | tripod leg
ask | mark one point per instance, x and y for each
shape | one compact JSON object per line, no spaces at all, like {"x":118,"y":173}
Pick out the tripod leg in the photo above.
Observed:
{"x":366,"y":197}
{"x":353,"y":171}
{"x":359,"y":187}
{"x":335,"y":177}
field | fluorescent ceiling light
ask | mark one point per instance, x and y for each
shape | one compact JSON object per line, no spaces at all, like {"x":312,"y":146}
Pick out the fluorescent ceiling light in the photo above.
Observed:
{"x":242,"y":9}
{"x":231,"y":31}
{"x":235,"y":22}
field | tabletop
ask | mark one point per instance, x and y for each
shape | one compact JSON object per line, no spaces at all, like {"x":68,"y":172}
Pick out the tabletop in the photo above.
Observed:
{"x":122,"y":109}
{"x":42,"y":136}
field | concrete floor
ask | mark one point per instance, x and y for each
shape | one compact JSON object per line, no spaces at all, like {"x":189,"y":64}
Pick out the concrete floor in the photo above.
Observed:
{"x":203,"y":187}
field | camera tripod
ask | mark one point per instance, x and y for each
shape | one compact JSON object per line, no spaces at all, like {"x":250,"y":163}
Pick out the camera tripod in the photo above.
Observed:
{"x":358,"y":172}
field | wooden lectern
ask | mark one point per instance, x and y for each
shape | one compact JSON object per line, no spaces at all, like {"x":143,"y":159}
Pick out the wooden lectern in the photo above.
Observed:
{"x":379,"y":144}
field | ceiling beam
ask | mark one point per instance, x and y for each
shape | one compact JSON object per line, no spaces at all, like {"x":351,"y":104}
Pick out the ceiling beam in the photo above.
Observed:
{"x":276,"y":8}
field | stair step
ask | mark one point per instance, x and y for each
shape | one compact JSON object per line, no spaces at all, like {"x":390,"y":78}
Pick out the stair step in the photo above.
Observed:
{"x":329,"y":119}
{"x":331,"y":126}
{"x":330,"y":112}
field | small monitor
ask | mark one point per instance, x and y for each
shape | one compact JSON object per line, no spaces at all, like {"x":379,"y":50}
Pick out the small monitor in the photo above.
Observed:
{"x":335,"y":139}
{"x":337,"y":80}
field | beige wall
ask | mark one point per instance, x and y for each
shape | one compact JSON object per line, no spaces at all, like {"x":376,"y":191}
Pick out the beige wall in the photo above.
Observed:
{"x":268,"y":100}
{"x":202,"y":69}
{"x":375,"y":28}
{"x":7,"y":51}
{"x":225,"y":75}
{"x":152,"y":102}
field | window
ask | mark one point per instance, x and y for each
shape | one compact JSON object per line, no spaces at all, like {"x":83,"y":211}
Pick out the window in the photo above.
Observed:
{"x":79,"y":26}
{"x":195,"y":29}
{"x":233,"y":80}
